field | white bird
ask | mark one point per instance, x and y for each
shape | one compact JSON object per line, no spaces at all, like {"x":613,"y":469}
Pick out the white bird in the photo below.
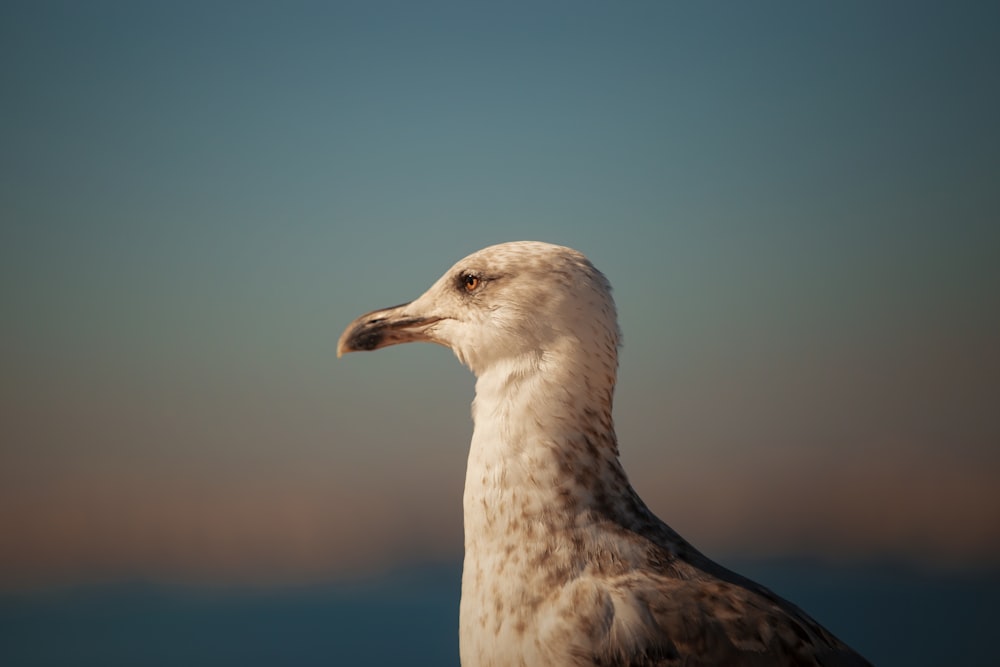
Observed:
{"x":564,"y":564}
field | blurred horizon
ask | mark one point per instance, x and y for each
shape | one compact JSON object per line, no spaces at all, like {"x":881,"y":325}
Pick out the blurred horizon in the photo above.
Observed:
{"x":410,"y":615}
{"x":797,"y":207}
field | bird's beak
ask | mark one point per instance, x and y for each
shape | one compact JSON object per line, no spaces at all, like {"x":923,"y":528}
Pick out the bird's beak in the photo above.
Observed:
{"x":385,"y":327}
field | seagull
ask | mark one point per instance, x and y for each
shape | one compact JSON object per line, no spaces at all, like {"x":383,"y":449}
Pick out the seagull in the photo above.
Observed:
{"x":565,"y":566}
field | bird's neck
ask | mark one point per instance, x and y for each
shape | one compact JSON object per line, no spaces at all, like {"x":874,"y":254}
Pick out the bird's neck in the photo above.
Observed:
{"x":544,"y":456}
{"x":543,"y":489}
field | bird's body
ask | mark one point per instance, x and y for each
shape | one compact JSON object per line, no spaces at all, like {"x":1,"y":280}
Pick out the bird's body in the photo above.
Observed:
{"x":564,"y":564}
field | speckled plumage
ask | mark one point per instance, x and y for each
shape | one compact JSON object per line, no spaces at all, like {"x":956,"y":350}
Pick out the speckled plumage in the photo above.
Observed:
{"x":564,"y":564}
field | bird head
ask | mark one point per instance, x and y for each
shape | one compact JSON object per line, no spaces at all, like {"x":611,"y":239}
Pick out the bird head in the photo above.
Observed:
{"x":506,"y":301}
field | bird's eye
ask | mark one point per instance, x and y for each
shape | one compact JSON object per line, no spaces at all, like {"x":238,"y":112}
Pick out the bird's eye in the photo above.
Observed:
{"x":470,"y":282}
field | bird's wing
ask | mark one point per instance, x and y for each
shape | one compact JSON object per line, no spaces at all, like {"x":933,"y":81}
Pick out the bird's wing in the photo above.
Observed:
{"x":666,"y":621}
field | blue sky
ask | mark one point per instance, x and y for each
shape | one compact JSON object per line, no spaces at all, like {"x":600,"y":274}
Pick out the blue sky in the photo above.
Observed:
{"x":796,"y":203}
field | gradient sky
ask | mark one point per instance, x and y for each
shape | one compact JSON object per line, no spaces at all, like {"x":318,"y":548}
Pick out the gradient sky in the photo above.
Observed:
{"x":798,"y":205}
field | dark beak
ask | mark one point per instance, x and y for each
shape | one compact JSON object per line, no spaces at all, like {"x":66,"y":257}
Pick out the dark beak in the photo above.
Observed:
{"x":385,"y":327}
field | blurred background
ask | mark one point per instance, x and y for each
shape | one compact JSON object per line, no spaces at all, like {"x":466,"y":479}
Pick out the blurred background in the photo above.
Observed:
{"x":797,"y":205}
